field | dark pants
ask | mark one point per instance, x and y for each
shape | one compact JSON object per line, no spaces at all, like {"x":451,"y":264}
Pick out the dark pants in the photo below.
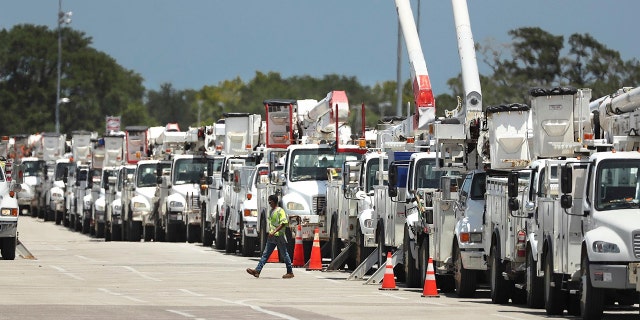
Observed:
{"x":272,"y":242}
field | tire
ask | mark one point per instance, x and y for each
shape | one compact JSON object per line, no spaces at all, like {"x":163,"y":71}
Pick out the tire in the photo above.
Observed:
{"x":8,"y":249}
{"x":361,"y":252}
{"x":171,"y":234}
{"x":464,"y":279}
{"x":499,"y":288}
{"x":116,"y":232}
{"x":148,"y":233}
{"x":85,"y":226}
{"x":230,"y":246}
{"x":192,"y":233}
{"x":382,"y":249}
{"x":135,"y":231}
{"x":249,"y":245}
{"x":535,"y":284}
{"x":100,"y":231}
{"x":58,"y":217}
{"x":220,"y":234}
{"x":262,"y":234}
{"x":158,"y":232}
{"x":553,"y":297}
{"x":335,"y":245}
{"x":412,"y":276}
{"x":591,"y":298}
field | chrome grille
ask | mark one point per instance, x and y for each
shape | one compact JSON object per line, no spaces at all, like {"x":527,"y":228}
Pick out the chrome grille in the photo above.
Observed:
{"x":636,"y":244}
{"x":319,"y":204}
{"x":193,"y":200}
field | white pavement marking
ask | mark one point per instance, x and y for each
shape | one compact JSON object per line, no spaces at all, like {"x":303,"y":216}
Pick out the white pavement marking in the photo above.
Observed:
{"x":330,"y":280}
{"x":120,"y":295}
{"x":141,"y":274}
{"x":256,"y":308}
{"x":506,"y":317}
{"x":89,"y":259}
{"x":428,"y":301}
{"x":191,"y":293}
{"x":69,"y":274}
{"x":392,"y":295}
{"x":184,"y":314}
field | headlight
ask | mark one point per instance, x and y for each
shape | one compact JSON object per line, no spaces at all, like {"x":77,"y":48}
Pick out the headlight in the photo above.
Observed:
{"x":117,"y":207}
{"x":139,"y":205}
{"x":605,"y":247}
{"x":87,"y":205}
{"x":295,"y":206}
{"x":250,"y":213}
{"x":9,"y":212}
{"x":56,"y":195}
{"x":175,"y":204}
{"x":470,"y":237}
{"x":368,"y":223}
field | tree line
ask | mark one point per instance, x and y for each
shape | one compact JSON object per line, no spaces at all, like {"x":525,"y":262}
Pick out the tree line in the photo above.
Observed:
{"x":99,"y":86}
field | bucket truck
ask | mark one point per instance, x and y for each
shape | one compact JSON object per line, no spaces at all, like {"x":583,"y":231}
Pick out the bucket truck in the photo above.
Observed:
{"x":427,"y":196}
{"x":8,"y":215}
{"x":233,"y":227}
{"x":589,"y":244}
{"x":303,"y":139}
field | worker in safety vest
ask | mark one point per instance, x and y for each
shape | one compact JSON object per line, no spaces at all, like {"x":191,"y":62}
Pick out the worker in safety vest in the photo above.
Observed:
{"x":277,"y":223}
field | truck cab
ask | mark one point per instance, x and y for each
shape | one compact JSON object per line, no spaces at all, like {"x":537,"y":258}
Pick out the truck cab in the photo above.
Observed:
{"x":8,"y":217}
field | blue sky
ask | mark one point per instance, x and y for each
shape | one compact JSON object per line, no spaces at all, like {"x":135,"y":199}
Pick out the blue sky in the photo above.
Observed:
{"x":192,"y":43}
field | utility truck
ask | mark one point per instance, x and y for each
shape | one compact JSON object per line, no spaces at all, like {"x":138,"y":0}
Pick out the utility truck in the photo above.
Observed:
{"x":242,"y":154}
{"x":9,"y":215}
{"x":304,"y":138}
{"x":177,"y":217}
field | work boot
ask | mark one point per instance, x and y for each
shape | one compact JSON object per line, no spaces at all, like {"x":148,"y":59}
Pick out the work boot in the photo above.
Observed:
{"x":253,"y":272}
{"x":287,"y":276}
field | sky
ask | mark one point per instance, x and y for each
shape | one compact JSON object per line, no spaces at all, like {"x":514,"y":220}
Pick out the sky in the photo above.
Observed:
{"x":193,"y":43}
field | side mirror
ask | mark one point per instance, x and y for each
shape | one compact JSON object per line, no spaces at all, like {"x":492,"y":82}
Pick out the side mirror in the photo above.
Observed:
{"x":566,"y":201}
{"x":512,"y":186}
{"x":209,"y":180}
{"x":514,"y":204}
{"x":566,"y":179}
{"x":393,"y":180}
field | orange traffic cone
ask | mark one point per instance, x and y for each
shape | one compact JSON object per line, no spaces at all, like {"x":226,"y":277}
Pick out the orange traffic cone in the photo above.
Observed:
{"x":315,"y":262}
{"x":389,"y":280}
{"x":298,"y":250}
{"x":430,"y":288}
{"x":274,"y":257}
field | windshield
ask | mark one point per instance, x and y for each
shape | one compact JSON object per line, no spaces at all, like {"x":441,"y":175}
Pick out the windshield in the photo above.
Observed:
{"x":426,"y":175}
{"x":189,"y":170}
{"x":214,"y":166}
{"x":60,"y":169}
{"x":373,"y":173}
{"x":617,"y":184}
{"x":105,"y":177}
{"x":31,"y":168}
{"x":146,"y":176}
{"x":312,"y":164}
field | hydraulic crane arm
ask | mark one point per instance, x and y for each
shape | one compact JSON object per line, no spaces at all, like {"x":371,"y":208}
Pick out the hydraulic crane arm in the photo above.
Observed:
{"x":422,"y":92}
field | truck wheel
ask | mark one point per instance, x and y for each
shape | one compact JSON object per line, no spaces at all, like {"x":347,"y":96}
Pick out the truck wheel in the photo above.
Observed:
{"x":591,"y":298}
{"x":192,"y":233}
{"x":248,"y":245}
{"x":499,"y":293}
{"x":100,"y":230}
{"x":58,"y":217}
{"x":148,"y":233}
{"x":220,"y":234}
{"x":382,"y":249}
{"x":334,"y":242}
{"x":207,"y":237}
{"x":8,"y":249}
{"x":85,"y":226}
{"x":116,"y":232}
{"x":230,"y":246}
{"x":262,"y":233}
{"x":535,"y":284}
{"x":465,"y":279}
{"x":553,"y":300}
{"x":135,"y":231}
{"x":158,"y":232}
{"x":412,"y":276}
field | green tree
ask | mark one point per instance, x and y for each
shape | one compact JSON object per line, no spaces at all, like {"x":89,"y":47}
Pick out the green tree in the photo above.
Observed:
{"x":172,"y":105}
{"x":94,"y":83}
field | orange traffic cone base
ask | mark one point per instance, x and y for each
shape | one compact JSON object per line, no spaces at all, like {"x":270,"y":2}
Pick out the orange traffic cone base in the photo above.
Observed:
{"x":430,"y":287}
{"x":389,"y":280}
